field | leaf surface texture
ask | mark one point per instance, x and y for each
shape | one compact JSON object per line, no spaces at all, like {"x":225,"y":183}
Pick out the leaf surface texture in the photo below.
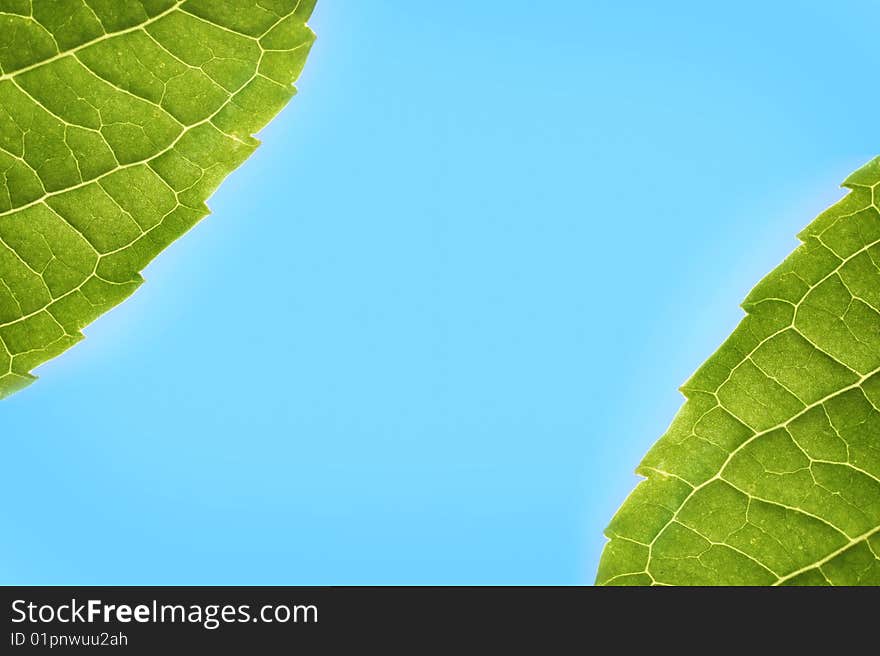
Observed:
{"x":118,"y":119}
{"x":770,"y":472}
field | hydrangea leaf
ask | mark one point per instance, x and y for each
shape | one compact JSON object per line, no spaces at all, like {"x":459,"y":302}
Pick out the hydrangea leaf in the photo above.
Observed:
{"x":118,"y":119}
{"x":770,"y":472}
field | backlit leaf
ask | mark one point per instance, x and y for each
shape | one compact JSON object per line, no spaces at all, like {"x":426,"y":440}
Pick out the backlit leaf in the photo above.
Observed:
{"x":118,"y":119}
{"x":770,"y":472}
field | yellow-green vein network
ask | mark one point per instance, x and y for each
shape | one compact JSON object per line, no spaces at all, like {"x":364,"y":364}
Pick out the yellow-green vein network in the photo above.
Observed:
{"x":118,"y":119}
{"x":770,"y":472}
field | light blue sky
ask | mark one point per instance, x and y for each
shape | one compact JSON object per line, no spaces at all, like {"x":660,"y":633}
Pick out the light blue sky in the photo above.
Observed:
{"x":435,"y":321}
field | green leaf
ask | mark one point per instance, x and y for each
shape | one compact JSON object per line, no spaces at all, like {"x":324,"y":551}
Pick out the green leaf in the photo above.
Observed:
{"x":770,"y":472}
{"x":118,"y":119}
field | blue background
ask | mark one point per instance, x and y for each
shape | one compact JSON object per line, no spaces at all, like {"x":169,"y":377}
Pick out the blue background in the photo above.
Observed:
{"x":435,"y":321}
